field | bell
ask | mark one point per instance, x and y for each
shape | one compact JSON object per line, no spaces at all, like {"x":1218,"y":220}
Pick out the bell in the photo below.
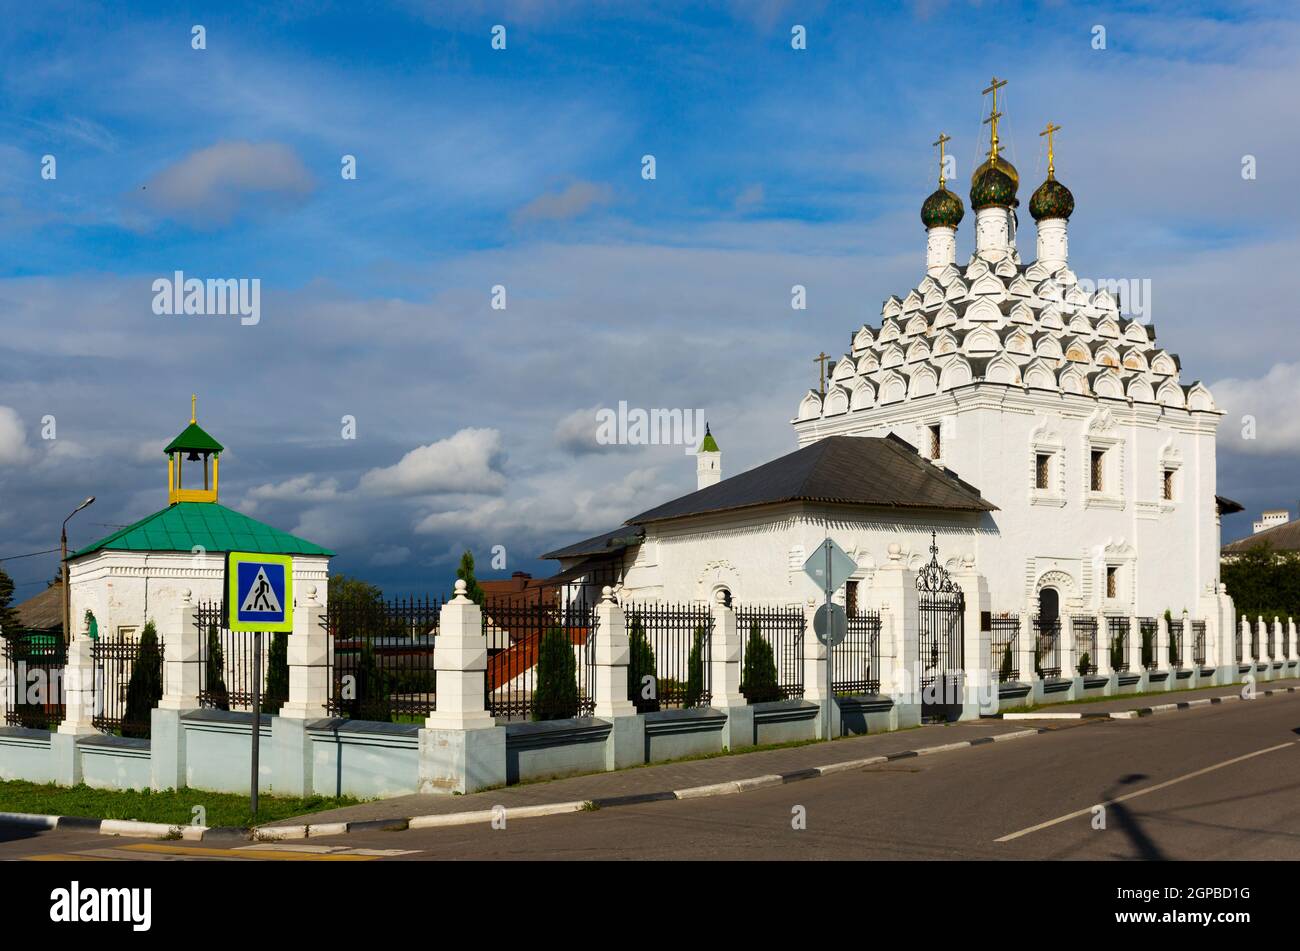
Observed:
{"x":192,"y":457}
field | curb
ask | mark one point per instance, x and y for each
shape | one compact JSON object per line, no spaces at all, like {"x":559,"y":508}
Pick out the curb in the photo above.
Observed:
{"x":1137,"y":712}
{"x":126,"y":828}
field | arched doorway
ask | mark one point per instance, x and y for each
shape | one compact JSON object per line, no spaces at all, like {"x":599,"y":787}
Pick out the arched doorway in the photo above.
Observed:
{"x":1047,"y":631}
{"x":1049,"y":604}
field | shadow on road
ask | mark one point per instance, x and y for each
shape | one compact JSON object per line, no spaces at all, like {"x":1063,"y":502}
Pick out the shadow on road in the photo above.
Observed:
{"x":1128,"y":823}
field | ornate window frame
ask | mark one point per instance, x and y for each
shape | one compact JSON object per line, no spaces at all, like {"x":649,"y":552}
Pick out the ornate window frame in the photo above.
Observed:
{"x":1098,"y":437}
{"x":1045,"y":441}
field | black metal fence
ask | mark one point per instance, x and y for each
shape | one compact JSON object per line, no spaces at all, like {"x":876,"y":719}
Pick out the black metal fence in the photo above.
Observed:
{"x":526,"y":633}
{"x":1047,"y":646}
{"x":1004,"y":654}
{"x":1254,"y":640}
{"x":1148,"y":627}
{"x":1198,"y":643}
{"x":34,"y":665}
{"x":117,"y":661}
{"x":225,"y":661}
{"x":1238,"y":641}
{"x":380,"y":658}
{"x":671,"y":646}
{"x":1084,"y":628}
{"x":855,"y":661}
{"x":783,"y":630}
{"x":1117,"y":632}
{"x":1176,"y":654}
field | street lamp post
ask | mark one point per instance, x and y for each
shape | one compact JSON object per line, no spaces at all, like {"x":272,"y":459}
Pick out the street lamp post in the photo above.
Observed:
{"x":63,"y":561}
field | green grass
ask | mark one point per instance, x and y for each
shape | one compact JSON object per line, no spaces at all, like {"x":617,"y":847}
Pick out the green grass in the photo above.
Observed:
{"x":171,"y":806}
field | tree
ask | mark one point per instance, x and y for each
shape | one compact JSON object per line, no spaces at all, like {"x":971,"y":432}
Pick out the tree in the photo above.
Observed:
{"x":556,"y":696}
{"x":1148,"y":645}
{"x":145,"y":688}
{"x":1117,"y":653}
{"x":276,"y":693}
{"x":8,"y":616}
{"x":695,"y":671}
{"x":1008,"y":664}
{"x":466,"y":574}
{"x":1085,"y":664}
{"x":641,"y":664}
{"x":214,"y":680}
{"x":758,"y":681}
{"x":371,"y":699}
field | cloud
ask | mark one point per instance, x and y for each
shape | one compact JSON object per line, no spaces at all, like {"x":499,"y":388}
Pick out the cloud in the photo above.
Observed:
{"x":213,"y":185}
{"x":750,"y":199}
{"x":576,"y":433}
{"x":466,"y":462}
{"x":1269,"y":401}
{"x":577,"y":199}
{"x":13,"y":438}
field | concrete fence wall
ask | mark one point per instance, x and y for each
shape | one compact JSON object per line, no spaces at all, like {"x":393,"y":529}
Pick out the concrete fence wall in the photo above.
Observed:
{"x":462,"y":748}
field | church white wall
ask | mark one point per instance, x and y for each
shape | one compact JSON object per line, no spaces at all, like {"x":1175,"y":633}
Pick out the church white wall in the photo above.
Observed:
{"x":1166,"y":553}
{"x":126,"y":588}
{"x":759,"y":556}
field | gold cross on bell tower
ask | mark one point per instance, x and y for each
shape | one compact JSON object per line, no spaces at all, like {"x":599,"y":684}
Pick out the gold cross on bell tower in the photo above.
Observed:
{"x":992,"y":121}
{"x":942,"y":140}
{"x":1051,"y":151}
{"x":822,"y":358}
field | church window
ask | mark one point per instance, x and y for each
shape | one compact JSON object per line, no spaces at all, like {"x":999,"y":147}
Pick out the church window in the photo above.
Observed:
{"x":1112,"y":581}
{"x":936,"y":441}
{"x":1043,"y":470}
{"x":1167,"y":485}
{"x":851,"y":599}
{"x":1098,"y":471}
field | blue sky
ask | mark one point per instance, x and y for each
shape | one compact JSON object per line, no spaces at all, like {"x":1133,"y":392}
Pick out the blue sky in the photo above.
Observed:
{"x":521,"y":167}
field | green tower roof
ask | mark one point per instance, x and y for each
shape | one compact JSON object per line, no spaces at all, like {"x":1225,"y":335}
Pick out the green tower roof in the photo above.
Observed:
{"x":215,"y":528}
{"x":193,"y":438}
{"x":709,"y":444}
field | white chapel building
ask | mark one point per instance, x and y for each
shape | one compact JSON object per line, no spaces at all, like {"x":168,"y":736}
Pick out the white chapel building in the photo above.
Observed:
{"x":1050,"y":442}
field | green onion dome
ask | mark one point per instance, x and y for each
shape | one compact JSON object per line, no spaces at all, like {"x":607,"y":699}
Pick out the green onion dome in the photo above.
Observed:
{"x":1051,"y":200}
{"x":993,"y":187}
{"x":943,"y":209}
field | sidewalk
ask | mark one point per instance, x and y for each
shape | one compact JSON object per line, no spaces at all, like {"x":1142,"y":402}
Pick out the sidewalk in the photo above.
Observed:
{"x":1107,"y":705}
{"x":644,"y":780}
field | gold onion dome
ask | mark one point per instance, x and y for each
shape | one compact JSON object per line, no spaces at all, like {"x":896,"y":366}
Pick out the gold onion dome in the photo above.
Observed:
{"x":1051,"y":200}
{"x":994,"y":184}
{"x":942,"y":209}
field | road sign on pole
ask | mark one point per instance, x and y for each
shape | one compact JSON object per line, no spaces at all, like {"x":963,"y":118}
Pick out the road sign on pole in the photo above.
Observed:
{"x":829,"y":567}
{"x":259,"y":592}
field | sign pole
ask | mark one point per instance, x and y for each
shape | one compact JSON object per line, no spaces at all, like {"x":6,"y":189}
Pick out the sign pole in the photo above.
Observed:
{"x":830,"y":648}
{"x":257,"y":715}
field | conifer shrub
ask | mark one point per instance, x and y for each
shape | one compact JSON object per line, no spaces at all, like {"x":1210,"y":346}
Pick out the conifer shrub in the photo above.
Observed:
{"x":371,"y":700}
{"x":758,"y":681}
{"x":556,"y":696}
{"x":695,"y":670}
{"x":145,"y":688}
{"x":641,"y":664}
{"x":214,"y":680}
{"x":276,"y":693}
{"x":1008,"y":664}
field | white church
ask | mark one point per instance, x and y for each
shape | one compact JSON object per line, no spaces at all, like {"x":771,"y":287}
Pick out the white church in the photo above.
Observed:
{"x":1050,"y":442}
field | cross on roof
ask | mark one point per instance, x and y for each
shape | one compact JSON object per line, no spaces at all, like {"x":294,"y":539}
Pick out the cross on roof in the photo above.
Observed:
{"x":994,"y":85}
{"x":941,"y":141}
{"x":1051,"y":151}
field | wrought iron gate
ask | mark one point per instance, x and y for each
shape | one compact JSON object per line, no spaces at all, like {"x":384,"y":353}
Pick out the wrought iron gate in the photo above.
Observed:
{"x":942,"y":639}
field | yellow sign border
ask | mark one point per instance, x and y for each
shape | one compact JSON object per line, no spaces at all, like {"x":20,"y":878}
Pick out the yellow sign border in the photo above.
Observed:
{"x":233,"y":560}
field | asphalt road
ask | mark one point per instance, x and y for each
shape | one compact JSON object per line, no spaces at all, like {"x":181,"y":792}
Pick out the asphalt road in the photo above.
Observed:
{"x":1218,"y":782}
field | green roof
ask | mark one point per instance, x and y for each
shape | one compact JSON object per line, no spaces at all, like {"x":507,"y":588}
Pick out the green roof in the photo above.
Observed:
{"x":194,"y":437}
{"x":709,"y":444}
{"x":183,"y":525}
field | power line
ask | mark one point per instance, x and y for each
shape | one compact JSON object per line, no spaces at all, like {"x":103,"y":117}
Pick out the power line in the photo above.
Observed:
{"x":30,"y":554}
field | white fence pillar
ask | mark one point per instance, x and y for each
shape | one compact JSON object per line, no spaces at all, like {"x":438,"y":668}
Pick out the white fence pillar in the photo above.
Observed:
{"x":1134,"y":645}
{"x":980,"y":680}
{"x":725,"y":673}
{"x":81,"y":699}
{"x":611,"y":654}
{"x":1277,"y":650}
{"x":1293,"y":649}
{"x":461,"y":747}
{"x":308,"y":655}
{"x":181,"y":641}
{"x":1105,"y":663}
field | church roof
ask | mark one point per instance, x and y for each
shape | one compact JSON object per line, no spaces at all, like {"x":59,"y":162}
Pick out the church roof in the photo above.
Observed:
{"x":840,"y":470}
{"x":184,"y":526}
{"x":608,"y":543}
{"x":194,"y":438}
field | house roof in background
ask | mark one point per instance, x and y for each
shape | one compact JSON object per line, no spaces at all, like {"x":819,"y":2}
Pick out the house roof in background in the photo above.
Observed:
{"x":1278,"y":538}
{"x":609,"y":543}
{"x":44,"y":612}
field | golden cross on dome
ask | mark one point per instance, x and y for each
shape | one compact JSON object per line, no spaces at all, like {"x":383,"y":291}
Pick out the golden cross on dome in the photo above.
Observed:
{"x":943,"y":139}
{"x":1051,"y":151}
{"x":994,"y":85}
{"x":822,"y":358}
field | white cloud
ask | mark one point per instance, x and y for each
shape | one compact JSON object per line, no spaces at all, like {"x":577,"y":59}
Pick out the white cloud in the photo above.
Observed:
{"x":466,"y":462}
{"x":577,"y":199}
{"x":1270,"y":402}
{"x":576,"y":433}
{"x":13,"y":438}
{"x":303,"y":488}
{"x":211,"y":186}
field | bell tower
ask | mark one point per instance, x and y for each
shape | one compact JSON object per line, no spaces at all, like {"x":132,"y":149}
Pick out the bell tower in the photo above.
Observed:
{"x":192,"y":459}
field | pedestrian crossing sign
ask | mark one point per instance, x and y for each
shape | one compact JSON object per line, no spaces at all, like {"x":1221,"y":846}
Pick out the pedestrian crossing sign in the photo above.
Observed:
{"x":259,"y":592}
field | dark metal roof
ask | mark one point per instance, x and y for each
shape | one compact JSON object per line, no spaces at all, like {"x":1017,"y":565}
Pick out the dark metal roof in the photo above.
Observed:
{"x":1227,"y":506}
{"x":842,"y":470}
{"x":606,"y":544}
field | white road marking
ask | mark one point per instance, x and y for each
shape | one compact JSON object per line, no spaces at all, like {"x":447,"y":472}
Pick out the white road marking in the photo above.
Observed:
{"x":1142,"y":792}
